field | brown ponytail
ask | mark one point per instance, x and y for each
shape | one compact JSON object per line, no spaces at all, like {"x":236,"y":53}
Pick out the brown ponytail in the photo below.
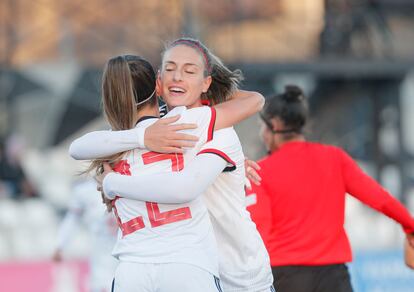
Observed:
{"x":128,"y":82}
{"x":118,"y":94}
{"x":225,"y":81}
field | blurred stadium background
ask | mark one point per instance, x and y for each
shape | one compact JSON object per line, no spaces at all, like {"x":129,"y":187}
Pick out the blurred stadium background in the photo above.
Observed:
{"x":353,"y":58}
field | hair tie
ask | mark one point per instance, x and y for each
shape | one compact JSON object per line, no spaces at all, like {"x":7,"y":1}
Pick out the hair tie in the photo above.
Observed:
{"x":197,"y":46}
{"x":283,"y":131}
{"x":145,"y":100}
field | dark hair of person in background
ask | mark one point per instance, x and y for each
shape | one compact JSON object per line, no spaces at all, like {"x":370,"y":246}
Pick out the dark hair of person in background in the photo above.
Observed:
{"x":303,"y":190}
{"x":290,"y":107}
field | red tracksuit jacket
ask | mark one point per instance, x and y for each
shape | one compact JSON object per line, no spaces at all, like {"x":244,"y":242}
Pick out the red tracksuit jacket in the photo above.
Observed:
{"x":300,"y":206}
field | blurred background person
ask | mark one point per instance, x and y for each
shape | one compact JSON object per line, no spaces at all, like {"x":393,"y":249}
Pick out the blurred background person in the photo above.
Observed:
{"x":86,"y":207}
{"x":13,"y":179}
{"x":305,"y":184}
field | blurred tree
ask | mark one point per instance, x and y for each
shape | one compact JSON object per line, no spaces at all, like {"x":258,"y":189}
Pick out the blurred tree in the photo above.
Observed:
{"x":89,"y":31}
{"x":218,"y":11}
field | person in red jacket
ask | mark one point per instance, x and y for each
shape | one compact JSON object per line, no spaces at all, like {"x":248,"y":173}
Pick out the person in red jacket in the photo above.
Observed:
{"x":258,"y":203}
{"x":302,"y":194}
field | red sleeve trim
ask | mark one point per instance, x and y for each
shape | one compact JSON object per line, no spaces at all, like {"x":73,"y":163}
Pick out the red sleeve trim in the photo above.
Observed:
{"x":212,"y":124}
{"x":219,"y":153}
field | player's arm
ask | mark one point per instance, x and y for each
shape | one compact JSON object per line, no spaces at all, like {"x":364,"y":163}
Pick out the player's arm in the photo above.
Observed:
{"x":100,"y":144}
{"x":241,"y":105}
{"x":367,"y":190}
{"x":164,"y":136}
{"x":167,"y":188}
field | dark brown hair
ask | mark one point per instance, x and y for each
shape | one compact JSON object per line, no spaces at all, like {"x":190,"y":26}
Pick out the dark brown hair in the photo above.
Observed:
{"x":290,"y":107}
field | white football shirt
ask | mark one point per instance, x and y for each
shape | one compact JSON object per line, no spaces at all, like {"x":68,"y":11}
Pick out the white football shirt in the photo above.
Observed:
{"x":167,"y":233}
{"x":243,"y":259}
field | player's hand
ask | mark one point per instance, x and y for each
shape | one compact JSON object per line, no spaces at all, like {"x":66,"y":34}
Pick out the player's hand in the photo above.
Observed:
{"x":99,"y":181}
{"x":107,"y":202}
{"x":408,"y":254}
{"x":164,"y":137}
{"x":410,"y":239}
{"x":251,"y":172}
{"x":100,"y":177}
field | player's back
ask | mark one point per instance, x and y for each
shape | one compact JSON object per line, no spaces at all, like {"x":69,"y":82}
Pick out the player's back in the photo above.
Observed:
{"x":243,"y":260}
{"x":165,"y":233}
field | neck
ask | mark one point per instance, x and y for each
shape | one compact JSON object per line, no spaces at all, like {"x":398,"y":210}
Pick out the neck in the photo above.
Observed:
{"x":194,"y":105}
{"x":297,"y":138}
{"x":278,"y":144}
{"x":146,"y":111}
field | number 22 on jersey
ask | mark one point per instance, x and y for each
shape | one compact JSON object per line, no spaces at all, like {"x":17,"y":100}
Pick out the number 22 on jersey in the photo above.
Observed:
{"x":155,"y":216}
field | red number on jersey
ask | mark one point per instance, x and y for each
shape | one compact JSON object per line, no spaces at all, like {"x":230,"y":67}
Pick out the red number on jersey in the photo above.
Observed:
{"x":136,"y":223}
{"x":156,"y":217}
{"x":177,"y":160}
{"x":122,"y":167}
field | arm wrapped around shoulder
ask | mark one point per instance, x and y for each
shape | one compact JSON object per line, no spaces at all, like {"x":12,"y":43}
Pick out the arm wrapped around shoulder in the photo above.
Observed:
{"x":167,"y":188}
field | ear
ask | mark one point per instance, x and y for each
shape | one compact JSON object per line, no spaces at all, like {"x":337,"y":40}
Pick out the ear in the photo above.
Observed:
{"x":158,"y":87}
{"x":206,"y":83}
{"x":277,"y":124}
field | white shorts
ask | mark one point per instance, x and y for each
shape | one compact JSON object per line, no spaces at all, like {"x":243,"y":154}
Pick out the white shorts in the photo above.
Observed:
{"x":102,"y":271}
{"x":171,"y":277}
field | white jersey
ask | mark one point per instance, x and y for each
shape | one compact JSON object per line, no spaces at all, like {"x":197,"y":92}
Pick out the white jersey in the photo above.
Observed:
{"x":167,"y":233}
{"x":243,"y":259}
{"x":86,"y":206}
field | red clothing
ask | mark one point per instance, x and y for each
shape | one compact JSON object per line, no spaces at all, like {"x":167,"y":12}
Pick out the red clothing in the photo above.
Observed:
{"x":260,"y":212}
{"x":306,"y":185}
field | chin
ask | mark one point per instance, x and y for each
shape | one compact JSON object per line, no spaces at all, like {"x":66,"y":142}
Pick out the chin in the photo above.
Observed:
{"x":179,"y":103}
{"x":173,"y":102}
{"x":187,"y":100}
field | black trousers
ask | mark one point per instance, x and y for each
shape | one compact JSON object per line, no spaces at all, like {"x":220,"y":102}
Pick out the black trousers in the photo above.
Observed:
{"x":326,"y":278}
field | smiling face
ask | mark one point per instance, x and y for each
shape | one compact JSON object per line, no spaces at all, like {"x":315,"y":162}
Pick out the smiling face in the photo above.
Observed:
{"x":182,"y":79}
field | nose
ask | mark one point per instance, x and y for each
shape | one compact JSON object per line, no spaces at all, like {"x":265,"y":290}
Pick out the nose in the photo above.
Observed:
{"x":177,"y":75}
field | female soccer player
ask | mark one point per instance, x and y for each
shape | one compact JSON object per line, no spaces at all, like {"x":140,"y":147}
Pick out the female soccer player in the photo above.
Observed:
{"x":305,"y":184}
{"x":187,"y":239}
{"x":243,"y":260}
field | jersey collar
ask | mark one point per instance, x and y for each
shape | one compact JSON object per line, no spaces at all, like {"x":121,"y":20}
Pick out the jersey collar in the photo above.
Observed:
{"x":144,"y":118}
